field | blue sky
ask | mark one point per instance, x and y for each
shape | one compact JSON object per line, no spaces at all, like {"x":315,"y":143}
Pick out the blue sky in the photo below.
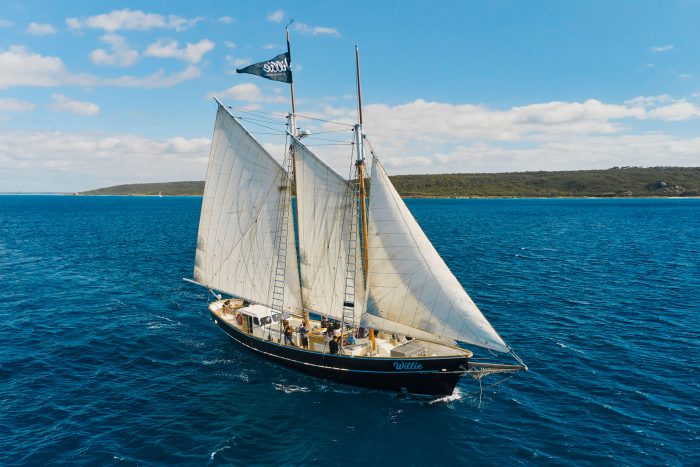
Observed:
{"x":102,"y":93}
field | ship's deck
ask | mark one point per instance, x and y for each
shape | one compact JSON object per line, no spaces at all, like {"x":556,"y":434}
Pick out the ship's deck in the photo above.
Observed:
{"x":264,"y":323}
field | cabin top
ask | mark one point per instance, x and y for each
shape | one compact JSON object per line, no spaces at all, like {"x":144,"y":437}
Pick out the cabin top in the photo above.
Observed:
{"x":260,"y":311}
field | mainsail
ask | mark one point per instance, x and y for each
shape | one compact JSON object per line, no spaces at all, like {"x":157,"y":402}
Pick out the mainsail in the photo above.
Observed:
{"x":328,"y":254}
{"x":243,"y":198}
{"x":410,"y":286}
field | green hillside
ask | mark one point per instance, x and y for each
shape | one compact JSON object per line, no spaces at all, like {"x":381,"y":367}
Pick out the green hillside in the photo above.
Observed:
{"x":626,"y":181}
{"x":141,"y":189}
{"x":615,"y":182}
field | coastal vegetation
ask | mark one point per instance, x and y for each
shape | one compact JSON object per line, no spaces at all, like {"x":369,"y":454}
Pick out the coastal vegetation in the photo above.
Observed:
{"x":615,"y":182}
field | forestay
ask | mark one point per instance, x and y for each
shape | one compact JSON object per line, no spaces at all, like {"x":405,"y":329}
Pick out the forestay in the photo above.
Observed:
{"x":408,"y":281}
{"x":325,"y":214}
{"x":243,"y":195}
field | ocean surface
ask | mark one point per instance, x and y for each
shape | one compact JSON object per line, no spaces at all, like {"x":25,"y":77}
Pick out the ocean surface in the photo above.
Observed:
{"x":108,"y":357}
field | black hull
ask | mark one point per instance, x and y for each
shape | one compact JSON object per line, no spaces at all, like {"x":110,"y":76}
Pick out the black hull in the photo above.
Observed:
{"x":436,"y":376}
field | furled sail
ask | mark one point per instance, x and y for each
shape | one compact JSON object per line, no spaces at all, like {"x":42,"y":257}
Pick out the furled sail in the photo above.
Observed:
{"x":244,"y":195}
{"x":329,"y":251}
{"x":408,"y":281}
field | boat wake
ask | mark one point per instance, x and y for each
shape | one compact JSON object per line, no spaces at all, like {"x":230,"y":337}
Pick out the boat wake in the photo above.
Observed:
{"x":213,"y":454}
{"x":455,"y":396}
{"x":290,"y":388}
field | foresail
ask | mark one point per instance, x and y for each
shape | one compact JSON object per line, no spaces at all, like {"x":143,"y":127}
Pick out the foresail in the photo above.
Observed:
{"x":408,"y":281}
{"x":325,"y":216}
{"x":243,"y":195}
{"x":376,"y":322}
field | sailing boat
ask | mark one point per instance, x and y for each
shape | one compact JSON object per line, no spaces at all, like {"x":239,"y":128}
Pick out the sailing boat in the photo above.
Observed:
{"x":355,"y":293}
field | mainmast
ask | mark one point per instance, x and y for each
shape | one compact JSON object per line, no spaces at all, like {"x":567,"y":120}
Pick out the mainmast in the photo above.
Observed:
{"x":360,"y":163}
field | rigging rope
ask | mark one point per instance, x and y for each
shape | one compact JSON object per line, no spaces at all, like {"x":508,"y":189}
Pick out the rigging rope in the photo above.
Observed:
{"x":264,"y":126}
{"x":243,"y":109}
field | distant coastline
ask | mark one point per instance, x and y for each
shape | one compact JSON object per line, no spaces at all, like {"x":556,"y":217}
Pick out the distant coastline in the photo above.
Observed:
{"x":618,"y":182}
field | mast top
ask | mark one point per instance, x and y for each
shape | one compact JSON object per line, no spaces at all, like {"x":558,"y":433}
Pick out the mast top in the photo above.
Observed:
{"x":359,"y":87}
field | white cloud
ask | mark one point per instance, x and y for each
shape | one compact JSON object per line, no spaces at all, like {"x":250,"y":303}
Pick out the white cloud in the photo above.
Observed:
{"x":62,"y":103}
{"x":9,"y":104}
{"x":230,"y":44}
{"x":227,"y":20}
{"x":74,"y":23}
{"x":680,"y":110}
{"x":573,"y":153}
{"x":236,"y":62}
{"x":661,"y":48}
{"x":649,"y":101}
{"x":159,"y":79}
{"x":276,"y":16}
{"x":247,"y":92}
{"x":55,"y":160}
{"x":121,"y":55}
{"x":6,"y":23}
{"x":315,"y":30}
{"x":421,"y":136}
{"x":132,"y":20}
{"x":38,"y":29}
{"x":269,"y":46}
{"x":165,"y":48}
{"x":19,"y":67}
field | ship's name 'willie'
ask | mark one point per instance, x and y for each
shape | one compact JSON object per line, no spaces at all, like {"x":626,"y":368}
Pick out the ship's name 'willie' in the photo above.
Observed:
{"x":407,"y":366}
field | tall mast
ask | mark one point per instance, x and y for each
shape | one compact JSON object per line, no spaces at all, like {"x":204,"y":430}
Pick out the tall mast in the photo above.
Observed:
{"x":360,"y":144}
{"x":292,"y":119}
{"x":293,"y":131}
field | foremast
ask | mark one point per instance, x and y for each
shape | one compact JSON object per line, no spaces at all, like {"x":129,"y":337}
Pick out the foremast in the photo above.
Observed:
{"x":291,"y":166}
{"x":286,"y":200}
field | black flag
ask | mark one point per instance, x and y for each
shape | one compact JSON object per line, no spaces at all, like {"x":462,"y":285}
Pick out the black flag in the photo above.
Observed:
{"x":276,"y":69}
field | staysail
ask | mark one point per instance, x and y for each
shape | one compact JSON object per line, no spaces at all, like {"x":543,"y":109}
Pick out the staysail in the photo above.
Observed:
{"x":409,"y":283}
{"x":326,"y":211}
{"x":243,"y":197}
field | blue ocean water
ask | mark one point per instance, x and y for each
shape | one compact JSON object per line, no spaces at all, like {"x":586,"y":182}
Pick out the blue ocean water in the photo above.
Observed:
{"x":108,"y":357}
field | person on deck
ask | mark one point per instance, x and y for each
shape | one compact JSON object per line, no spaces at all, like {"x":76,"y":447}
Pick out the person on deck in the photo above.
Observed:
{"x":288,"y":335}
{"x":333,"y":346}
{"x":303,"y":331}
{"x":324,"y":322}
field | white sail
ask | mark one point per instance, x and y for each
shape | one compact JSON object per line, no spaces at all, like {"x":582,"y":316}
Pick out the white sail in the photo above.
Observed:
{"x":325,"y":217}
{"x":377,"y":322}
{"x":408,"y":281}
{"x":245,"y":187}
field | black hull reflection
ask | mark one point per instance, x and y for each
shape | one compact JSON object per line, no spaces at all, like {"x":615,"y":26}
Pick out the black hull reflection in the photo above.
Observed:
{"x":436,"y":376}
